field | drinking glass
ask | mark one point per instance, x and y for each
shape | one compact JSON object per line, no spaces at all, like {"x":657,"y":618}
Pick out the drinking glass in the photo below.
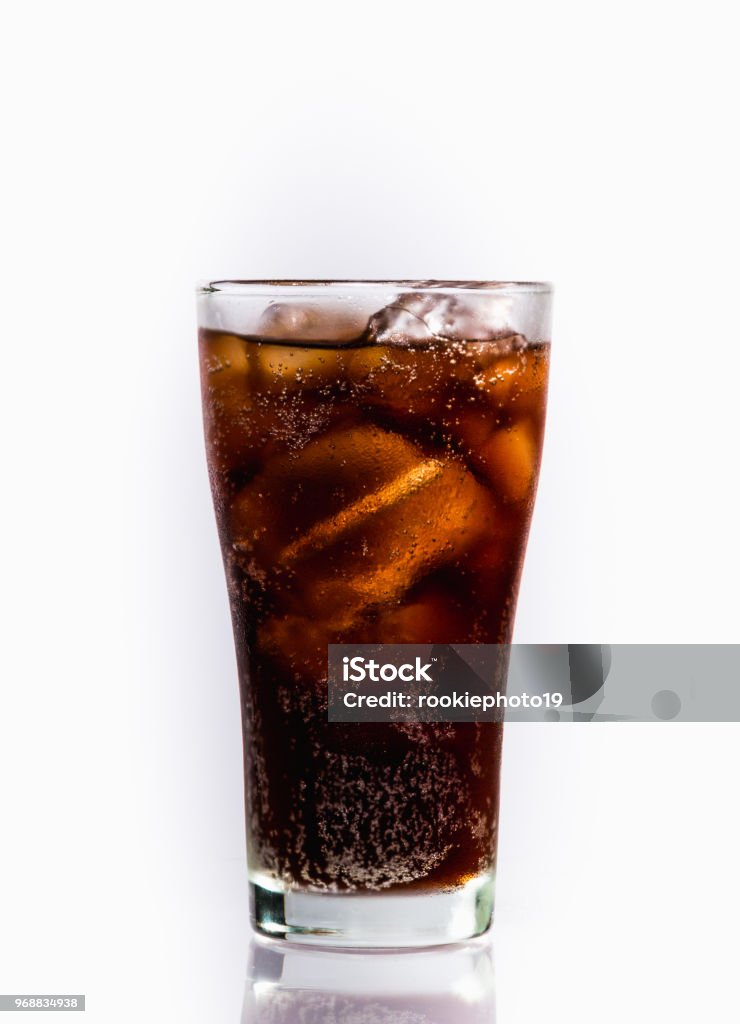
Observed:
{"x":373,"y":450}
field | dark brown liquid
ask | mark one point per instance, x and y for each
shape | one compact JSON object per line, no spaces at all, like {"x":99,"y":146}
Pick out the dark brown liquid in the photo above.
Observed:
{"x":368,"y":493}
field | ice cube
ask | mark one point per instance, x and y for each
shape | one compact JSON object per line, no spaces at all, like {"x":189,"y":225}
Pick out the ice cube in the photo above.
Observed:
{"x":311,"y":321}
{"x":516,"y":380}
{"x":510,"y":390}
{"x":430,"y":617}
{"x":412,"y":388}
{"x":349,"y":525}
{"x":294,"y":368}
{"x":373,"y":549}
{"x":225,"y":360}
{"x":299,"y":643}
{"x":509,"y":458}
{"x":297,"y":491}
{"x":405,"y":379}
{"x":454,"y":316}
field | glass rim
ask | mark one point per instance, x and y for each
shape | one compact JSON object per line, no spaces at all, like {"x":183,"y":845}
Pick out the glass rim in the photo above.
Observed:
{"x":267,"y":286}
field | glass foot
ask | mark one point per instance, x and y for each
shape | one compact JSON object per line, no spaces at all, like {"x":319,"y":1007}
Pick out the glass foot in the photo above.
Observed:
{"x":374,"y":920}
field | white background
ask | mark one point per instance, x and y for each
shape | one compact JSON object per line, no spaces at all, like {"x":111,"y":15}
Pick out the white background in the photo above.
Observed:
{"x":152,"y":144}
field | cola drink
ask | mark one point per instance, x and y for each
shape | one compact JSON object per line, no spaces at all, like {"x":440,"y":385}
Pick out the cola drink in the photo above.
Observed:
{"x":373,"y":479}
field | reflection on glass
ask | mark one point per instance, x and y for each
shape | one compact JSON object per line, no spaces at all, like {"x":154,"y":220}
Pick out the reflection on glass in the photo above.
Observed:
{"x":290,"y":985}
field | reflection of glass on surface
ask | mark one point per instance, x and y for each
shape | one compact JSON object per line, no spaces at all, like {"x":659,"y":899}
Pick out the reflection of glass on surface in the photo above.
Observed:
{"x":289,"y":985}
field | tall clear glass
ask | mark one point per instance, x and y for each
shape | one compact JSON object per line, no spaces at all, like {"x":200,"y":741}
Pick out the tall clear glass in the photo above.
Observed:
{"x":373,"y":450}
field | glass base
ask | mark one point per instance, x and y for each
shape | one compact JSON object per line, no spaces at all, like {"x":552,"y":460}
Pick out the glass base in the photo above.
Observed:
{"x":374,"y":920}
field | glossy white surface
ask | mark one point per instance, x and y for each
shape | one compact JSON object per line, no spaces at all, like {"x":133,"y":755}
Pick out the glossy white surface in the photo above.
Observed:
{"x":155,"y":143}
{"x":451,"y":986}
